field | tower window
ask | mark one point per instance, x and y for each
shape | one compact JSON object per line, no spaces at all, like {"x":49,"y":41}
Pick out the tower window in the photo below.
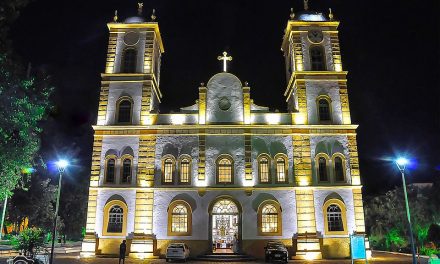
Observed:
{"x":339,"y":169}
{"x":317,"y":60}
{"x":110,"y":171}
{"x":224,"y":170}
{"x":168,"y":168}
{"x":324,"y":110}
{"x":334,"y":218}
{"x":185,"y":170}
{"x":126,"y":171}
{"x":281,"y":169}
{"x":129,"y":61}
{"x":124,"y":111}
{"x":115,"y":219}
{"x":322,"y":169}
{"x":263,"y":169}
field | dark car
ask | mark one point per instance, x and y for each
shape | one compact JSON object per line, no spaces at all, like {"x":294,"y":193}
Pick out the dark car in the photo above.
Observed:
{"x":276,"y":251}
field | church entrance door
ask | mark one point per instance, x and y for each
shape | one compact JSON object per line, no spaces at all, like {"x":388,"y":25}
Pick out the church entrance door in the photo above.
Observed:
{"x":225,"y":219}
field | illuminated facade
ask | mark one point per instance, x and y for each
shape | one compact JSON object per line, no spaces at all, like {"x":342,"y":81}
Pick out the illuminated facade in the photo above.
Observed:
{"x":224,"y":169}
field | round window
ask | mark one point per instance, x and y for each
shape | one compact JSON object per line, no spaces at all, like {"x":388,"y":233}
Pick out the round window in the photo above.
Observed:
{"x":131,"y":38}
{"x":224,"y":104}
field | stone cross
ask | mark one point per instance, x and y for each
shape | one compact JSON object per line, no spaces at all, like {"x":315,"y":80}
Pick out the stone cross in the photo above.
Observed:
{"x":224,"y":58}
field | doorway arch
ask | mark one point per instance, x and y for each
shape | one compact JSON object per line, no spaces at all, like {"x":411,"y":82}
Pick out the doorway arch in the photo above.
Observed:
{"x":225,"y":225}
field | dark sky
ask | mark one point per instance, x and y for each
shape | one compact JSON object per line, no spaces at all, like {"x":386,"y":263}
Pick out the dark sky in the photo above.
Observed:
{"x":390,"y":48}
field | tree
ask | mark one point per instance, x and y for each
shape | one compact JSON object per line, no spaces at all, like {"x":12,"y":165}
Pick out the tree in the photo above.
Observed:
{"x":35,"y":204}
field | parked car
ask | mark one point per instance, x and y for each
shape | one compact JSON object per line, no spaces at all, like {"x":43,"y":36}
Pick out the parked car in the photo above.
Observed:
{"x":276,"y":251}
{"x":177,"y":251}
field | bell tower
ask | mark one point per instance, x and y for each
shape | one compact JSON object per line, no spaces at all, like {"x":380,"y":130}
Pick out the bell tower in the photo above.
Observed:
{"x":315,"y":78}
{"x":130,"y":96}
{"x":132,"y":70}
{"x":316,"y":95}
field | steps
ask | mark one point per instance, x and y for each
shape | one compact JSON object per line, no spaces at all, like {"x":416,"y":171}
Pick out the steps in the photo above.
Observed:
{"x":225,"y":257}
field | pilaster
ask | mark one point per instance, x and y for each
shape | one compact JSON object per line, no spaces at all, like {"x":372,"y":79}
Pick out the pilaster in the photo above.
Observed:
{"x":308,"y":245}
{"x":302,"y":162}
{"x":354,"y":160}
{"x":147,"y":149}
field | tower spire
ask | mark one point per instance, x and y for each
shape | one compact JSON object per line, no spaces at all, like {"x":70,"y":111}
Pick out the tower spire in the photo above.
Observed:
{"x":306,"y":4}
{"x":292,"y":14}
{"x":140,"y":6}
{"x":153,"y":15}
{"x":330,"y":14}
{"x":115,"y":18}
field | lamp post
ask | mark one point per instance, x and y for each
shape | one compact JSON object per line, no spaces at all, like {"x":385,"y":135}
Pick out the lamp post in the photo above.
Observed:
{"x":61,"y":165}
{"x":401,"y":164}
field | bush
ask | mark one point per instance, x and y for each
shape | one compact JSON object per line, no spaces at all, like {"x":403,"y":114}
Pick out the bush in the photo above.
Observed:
{"x":29,"y":241}
{"x":434,"y":234}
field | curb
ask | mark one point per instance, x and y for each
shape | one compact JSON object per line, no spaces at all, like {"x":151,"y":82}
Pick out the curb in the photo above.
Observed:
{"x":398,"y":253}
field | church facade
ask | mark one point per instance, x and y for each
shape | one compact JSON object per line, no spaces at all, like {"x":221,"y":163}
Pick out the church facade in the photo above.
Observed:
{"x":225,"y":174}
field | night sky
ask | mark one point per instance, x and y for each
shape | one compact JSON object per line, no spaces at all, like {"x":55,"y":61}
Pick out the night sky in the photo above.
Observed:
{"x":390,"y":49}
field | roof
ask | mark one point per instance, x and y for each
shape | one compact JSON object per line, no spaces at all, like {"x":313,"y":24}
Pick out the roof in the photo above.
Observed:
{"x":310,"y":16}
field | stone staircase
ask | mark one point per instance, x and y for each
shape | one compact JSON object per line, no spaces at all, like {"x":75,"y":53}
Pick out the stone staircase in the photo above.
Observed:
{"x":225,"y":257}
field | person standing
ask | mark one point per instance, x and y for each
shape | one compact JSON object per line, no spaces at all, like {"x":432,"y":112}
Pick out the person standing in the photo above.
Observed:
{"x":122,"y":250}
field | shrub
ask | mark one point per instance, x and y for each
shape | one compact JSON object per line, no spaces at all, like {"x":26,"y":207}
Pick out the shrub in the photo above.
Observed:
{"x":29,"y":241}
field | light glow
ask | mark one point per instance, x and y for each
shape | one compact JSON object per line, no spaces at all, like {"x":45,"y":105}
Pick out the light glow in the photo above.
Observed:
{"x":299,"y":119}
{"x":273,"y":118}
{"x":304,"y":182}
{"x":311,"y":255}
{"x":177,"y":119}
{"x":402,"y":161}
{"x":62,"y":164}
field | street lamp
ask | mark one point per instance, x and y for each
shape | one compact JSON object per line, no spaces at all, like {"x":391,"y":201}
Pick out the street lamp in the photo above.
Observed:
{"x":61,"y":165}
{"x":401,"y":164}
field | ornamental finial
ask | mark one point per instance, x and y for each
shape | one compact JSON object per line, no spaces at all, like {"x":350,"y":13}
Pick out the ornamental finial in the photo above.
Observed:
{"x":292,"y":15}
{"x":330,"y":15}
{"x":153,"y":15}
{"x":306,"y":4}
{"x":115,"y":18}
{"x":140,"y":6}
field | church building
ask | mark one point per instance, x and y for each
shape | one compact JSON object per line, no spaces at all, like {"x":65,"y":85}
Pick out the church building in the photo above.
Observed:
{"x":224,"y":174}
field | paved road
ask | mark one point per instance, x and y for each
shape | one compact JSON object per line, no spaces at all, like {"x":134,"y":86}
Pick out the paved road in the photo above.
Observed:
{"x":378,"y":258}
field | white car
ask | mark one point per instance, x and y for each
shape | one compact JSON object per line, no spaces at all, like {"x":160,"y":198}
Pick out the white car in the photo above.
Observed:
{"x":178,"y":251}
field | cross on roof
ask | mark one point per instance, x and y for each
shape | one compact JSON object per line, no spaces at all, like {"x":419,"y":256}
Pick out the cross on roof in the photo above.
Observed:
{"x":224,"y":58}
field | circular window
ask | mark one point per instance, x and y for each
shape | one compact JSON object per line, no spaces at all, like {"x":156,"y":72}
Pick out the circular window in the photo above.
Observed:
{"x":131,"y":38}
{"x":224,"y":104}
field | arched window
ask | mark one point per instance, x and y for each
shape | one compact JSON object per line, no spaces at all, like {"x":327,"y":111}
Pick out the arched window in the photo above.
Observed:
{"x":281,"y":168}
{"x":115,"y":219}
{"x":322,"y":169}
{"x":338,"y":167}
{"x":126,"y":171}
{"x":264,"y":169}
{"x":317,"y":58}
{"x":168,"y":170}
{"x":185,"y":170}
{"x":335,"y":217}
{"x":124,"y":109}
{"x":129,"y":61}
{"x":110,"y":170}
{"x":225,"y":170}
{"x":324,"y":110}
{"x":179,"y":219}
{"x":269,"y":218}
